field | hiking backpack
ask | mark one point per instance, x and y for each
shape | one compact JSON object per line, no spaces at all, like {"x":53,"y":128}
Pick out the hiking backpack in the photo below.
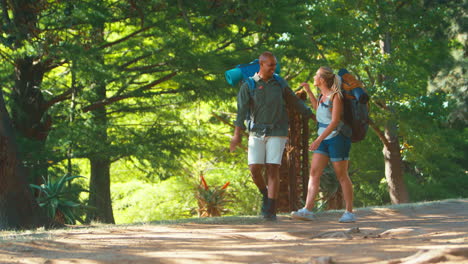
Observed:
{"x":244,"y":73}
{"x":355,"y":105}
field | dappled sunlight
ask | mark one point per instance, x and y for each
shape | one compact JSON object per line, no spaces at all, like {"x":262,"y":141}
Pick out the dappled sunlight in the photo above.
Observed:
{"x":375,"y":237}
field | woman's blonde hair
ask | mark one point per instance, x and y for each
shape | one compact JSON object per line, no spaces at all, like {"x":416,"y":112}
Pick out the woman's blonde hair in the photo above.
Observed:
{"x":332,"y":80}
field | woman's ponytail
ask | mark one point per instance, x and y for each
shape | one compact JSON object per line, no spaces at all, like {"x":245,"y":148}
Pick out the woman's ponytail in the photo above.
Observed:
{"x":336,"y":87}
{"x":333,"y":81}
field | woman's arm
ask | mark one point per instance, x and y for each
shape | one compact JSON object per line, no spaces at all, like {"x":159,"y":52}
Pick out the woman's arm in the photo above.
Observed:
{"x":313,"y":100}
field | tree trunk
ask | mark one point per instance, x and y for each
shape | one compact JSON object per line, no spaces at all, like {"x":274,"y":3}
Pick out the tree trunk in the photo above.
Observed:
{"x":100,"y":196}
{"x":391,"y":150}
{"x":394,"y":165}
{"x":294,"y":171}
{"x":18,"y":209}
{"x":99,"y":185}
{"x":29,"y":117}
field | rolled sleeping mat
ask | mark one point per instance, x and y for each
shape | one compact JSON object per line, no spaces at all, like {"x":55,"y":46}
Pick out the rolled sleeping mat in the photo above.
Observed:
{"x":244,"y":71}
{"x":342,"y":72}
{"x":360,"y":95}
{"x":233,"y":76}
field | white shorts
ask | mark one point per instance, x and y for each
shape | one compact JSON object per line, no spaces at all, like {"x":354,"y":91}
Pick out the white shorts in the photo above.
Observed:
{"x":266,"y":150}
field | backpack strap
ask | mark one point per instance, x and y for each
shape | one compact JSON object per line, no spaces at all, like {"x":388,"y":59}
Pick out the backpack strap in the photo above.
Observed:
{"x":330,"y":105}
{"x":280,"y":80}
{"x":319,"y":101}
{"x":251,"y":84}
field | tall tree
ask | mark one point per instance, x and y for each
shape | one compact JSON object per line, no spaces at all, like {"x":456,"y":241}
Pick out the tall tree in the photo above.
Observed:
{"x":394,"y":47}
{"x":148,"y":49}
{"x":18,"y":209}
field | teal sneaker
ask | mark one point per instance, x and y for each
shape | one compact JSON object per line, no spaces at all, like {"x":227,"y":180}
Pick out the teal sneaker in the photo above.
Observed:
{"x":303,"y":214}
{"x":347,"y":217}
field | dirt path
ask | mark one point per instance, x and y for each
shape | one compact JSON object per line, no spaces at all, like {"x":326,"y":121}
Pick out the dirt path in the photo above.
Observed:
{"x":380,"y":235}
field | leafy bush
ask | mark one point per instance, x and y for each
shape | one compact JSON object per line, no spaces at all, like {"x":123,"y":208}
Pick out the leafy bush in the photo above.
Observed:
{"x":138,"y":201}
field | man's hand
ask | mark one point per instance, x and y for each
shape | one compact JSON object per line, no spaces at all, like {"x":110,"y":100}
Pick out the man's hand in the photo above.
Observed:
{"x":235,"y":141}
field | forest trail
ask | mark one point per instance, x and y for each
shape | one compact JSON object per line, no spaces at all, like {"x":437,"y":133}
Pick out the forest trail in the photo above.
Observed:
{"x":434,"y":232}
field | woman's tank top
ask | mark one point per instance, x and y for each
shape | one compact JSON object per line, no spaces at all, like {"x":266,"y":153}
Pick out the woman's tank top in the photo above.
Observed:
{"x":324,"y":117}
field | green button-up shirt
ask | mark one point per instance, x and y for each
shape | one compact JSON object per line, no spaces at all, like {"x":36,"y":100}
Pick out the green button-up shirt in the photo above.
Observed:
{"x":268,"y":107}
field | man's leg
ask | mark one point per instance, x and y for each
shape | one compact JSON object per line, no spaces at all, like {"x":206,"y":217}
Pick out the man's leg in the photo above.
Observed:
{"x":272,"y":172}
{"x":274,"y":153}
{"x":256,"y":170}
{"x":256,"y":160}
{"x":257,"y":175}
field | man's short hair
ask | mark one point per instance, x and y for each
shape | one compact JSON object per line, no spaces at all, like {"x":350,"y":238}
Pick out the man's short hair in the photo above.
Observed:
{"x":265,"y":55}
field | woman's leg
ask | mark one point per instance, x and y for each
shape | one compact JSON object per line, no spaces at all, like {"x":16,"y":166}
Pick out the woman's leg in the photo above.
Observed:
{"x":341,"y":171}
{"x":317,"y":165}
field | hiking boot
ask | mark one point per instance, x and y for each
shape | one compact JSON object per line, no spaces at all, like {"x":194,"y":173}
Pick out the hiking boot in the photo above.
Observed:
{"x":303,"y":214}
{"x":264,"y":205}
{"x":269,"y":217}
{"x":347,"y":217}
{"x":270,"y":210}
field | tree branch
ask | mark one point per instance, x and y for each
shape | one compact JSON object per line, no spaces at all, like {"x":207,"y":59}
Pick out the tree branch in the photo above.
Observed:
{"x":369,"y":76}
{"x":228,"y":123}
{"x":51,"y":65}
{"x":114,"y":99}
{"x":158,"y":81}
{"x":134,"y":93}
{"x":5,"y":12}
{"x":227,"y":43}
{"x":318,"y":49}
{"x":379,"y":133}
{"x":125,"y":38}
{"x":184,"y":14}
{"x":5,"y":56}
{"x":146,"y":69}
{"x":125,"y":65}
{"x":59,"y":98}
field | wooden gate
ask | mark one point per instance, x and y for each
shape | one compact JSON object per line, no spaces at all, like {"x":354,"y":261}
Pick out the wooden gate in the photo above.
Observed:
{"x":294,"y":170}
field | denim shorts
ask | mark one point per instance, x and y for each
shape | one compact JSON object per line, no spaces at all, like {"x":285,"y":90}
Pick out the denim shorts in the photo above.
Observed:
{"x":337,"y":148}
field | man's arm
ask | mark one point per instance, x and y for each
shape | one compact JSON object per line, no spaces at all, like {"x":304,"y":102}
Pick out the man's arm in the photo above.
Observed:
{"x":236,"y":139}
{"x":242,"y":110}
{"x":298,"y":104}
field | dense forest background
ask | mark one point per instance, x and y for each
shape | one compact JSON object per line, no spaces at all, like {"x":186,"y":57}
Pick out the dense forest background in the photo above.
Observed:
{"x":131,"y":95}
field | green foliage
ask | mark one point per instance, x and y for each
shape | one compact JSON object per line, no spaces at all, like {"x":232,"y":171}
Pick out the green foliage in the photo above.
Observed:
{"x":54,"y":196}
{"x":157,"y":69}
{"x":442,"y":170}
{"x":137,"y":201}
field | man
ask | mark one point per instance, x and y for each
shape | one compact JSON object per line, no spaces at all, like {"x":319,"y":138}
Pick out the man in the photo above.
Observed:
{"x":268,"y":127}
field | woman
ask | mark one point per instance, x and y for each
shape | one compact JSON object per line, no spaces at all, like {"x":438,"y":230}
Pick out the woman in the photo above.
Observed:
{"x":330,"y":145}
